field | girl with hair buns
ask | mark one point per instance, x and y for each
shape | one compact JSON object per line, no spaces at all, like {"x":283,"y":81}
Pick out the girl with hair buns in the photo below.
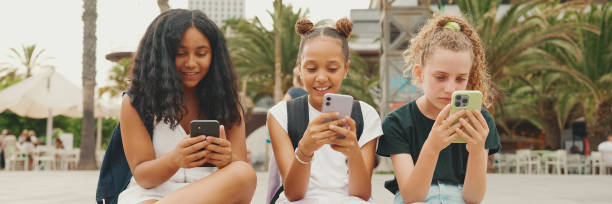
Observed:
{"x":445,"y":56}
{"x":324,"y":167}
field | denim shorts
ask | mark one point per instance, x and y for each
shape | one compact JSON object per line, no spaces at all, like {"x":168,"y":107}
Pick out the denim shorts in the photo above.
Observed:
{"x":440,"y":193}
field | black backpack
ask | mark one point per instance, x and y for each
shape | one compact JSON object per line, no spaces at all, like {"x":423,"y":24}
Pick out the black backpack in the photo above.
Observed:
{"x":115,"y":173}
{"x":297,"y":122}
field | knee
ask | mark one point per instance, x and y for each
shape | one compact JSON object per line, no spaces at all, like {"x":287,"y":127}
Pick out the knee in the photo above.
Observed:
{"x":244,"y":174}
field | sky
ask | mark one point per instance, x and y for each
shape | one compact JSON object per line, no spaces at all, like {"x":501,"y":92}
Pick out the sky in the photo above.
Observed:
{"x":57,"y":27}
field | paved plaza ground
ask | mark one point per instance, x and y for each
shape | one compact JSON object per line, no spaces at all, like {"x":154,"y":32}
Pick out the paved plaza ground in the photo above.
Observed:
{"x":68,"y":187}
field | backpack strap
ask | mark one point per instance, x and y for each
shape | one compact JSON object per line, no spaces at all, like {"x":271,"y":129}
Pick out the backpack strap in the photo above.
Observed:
{"x":357,"y":116}
{"x":297,"y":119}
{"x":297,"y":122}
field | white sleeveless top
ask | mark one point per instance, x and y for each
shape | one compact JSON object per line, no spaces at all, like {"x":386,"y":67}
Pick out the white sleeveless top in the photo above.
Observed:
{"x":328,"y":181}
{"x":164,"y":141}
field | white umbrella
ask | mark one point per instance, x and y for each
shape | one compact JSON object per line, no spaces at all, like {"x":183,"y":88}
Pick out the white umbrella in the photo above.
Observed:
{"x":104,"y":108}
{"x":45,"y":95}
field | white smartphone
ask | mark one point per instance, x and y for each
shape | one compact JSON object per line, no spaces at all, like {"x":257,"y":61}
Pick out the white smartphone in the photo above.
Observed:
{"x":340,"y":103}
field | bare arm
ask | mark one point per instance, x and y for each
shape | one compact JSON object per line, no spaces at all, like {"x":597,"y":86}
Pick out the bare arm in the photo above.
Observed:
{"x":475,"y":183}
{"x":414,"y":181}
{"x":294,"y":174}
{"x":360,"y":171}
{"x":238,"y":139}
{"x":147,"y":170}
{"x":360,"y":160}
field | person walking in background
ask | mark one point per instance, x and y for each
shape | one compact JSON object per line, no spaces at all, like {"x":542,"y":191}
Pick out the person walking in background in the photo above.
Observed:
{"x":8,"y":145}
{"x":24,"y":134}
{"x":606,"y":146}
{"x":33,"y":138}
{"x":298,"y":86}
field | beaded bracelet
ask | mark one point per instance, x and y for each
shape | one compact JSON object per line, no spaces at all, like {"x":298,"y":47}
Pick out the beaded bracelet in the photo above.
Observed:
{"x":298,"y":158}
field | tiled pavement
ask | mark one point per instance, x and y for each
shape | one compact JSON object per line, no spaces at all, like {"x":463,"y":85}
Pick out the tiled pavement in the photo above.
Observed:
{"x":68,"y":187}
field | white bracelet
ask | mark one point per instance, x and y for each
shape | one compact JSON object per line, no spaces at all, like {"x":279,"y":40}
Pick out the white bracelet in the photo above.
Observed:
{"x":298,"y":158}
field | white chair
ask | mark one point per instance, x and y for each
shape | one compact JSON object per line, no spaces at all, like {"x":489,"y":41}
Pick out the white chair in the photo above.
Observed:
{"x":558,"y":160}
{"x":69,"y":159}
{"x":577,"y":162}
{"x":13,"y":157}
{"x":606,"y":162}
{"x":503,"y":162}
{"x":44,"y":158}
{"x":100,"y":157}
{"x":594,"y":162}
{"x":525,"y":158}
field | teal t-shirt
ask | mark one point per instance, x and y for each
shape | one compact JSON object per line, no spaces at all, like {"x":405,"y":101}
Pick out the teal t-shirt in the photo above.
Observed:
{"x":405,"y":131}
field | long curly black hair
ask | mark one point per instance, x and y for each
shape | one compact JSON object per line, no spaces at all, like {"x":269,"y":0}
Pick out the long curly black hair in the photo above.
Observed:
{"x":156,"y":87}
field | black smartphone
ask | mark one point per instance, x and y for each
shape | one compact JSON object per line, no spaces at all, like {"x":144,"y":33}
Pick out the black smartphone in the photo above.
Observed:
{"x":204,"y":127}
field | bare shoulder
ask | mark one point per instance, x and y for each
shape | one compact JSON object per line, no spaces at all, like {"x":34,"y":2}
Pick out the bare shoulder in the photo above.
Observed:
{"x":127,"y":109}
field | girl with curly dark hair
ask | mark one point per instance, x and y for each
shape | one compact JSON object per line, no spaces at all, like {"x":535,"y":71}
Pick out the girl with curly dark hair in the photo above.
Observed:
{"x":182,"y":72}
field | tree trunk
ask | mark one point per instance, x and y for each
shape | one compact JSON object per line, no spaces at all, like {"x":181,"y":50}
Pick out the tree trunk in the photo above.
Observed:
{"x":163,"y":5}
{"x":602,"y":125}
{"x":278,"y":95}
{"x":87,"y":159}
{"x":551,"y":124}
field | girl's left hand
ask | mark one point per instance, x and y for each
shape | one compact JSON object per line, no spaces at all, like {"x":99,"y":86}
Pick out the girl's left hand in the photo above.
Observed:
{"x":347,"y":145}
{"x":478,"y":130}
{"x":221,"y":149}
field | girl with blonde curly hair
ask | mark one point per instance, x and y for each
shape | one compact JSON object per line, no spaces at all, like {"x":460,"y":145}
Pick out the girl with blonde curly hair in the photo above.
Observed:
{"x":444,"y":57}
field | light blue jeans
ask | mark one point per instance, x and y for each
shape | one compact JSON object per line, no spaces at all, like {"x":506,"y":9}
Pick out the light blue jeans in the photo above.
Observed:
{"x":440,"y":193}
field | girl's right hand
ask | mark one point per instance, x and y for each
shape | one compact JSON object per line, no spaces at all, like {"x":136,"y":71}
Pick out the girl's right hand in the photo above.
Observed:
{"x":442,"y":133}
{"x":318,"y":133}
{"x":187,"y":153}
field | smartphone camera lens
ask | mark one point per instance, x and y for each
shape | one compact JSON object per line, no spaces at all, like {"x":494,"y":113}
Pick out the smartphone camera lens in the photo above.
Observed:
{"x":458,"y":97}
{"x":327,"y":103}
{"x":465,"y":100}
{"x":329,"y":98}
{"x":458,"y":104}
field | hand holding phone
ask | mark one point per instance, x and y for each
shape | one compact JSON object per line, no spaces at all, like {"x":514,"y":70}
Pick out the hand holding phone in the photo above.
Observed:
{"x":204,"y":127}
{"x":340,"y":103}
{"x":468,"y":100}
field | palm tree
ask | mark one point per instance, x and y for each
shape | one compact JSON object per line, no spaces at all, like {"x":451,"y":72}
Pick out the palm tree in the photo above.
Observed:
{"x":360,"y":80}
{"x":278,"y":75}
{"x":163,"y":5}
{"x":513,"y":43}
{"x":29,"y":58}
{"x":595,"y":71}
{"x":119,"y":76}
{"x":87,"y":159}
{"x":252,"y":50}
{"x":253,"y":55}
{"x":542,"y":98}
